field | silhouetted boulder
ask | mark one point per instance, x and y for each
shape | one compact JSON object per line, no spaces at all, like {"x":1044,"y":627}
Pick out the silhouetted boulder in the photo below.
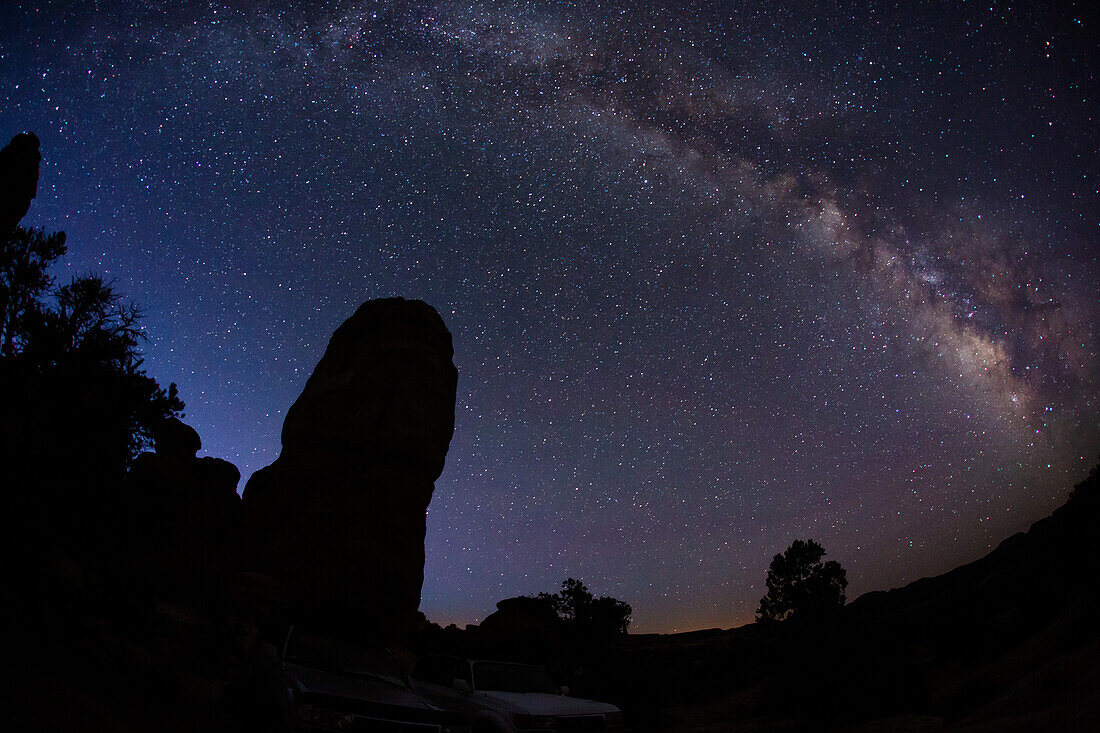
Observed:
{"x":522,"y":615}
{"x":221,"y":476}
{"x":524,"y":629}
{"x":339,"y":518}
{"x":19,"y":161}
{"x":178,"y":439}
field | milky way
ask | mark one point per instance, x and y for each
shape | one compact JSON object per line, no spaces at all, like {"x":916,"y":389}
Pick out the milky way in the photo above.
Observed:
{"x":717,"y":280}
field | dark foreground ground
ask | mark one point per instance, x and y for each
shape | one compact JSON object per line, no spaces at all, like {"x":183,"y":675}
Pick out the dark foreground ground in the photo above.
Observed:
{"x":1007,"y":643}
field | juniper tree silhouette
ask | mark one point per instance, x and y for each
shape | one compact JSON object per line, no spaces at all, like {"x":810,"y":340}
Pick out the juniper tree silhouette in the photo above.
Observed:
{"x":76,"y":406}
{"x":25,"y":256}
{"x":70,"y":365}
{"x":800,"y":584}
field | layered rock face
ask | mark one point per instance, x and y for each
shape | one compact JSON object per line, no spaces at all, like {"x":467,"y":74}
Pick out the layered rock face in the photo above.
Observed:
{"x":339,"y":518}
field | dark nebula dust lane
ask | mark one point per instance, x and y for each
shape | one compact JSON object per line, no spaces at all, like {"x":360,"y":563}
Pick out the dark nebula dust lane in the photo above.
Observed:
{"x":718,"y":278}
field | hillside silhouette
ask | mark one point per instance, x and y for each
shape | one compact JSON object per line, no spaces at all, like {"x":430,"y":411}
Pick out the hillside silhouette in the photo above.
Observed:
{"x":1008,"y":642}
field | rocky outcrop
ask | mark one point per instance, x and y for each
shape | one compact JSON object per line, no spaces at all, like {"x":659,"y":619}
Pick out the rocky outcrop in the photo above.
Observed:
{"x":522,"y":616}
{"x":339,"y":518}
{"x":183,"y":514}
{"x":177,"y":439}
{"x":19,"y":161}
{"x":523,"y":629}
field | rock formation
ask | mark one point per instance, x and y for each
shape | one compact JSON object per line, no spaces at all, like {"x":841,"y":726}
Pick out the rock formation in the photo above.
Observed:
{"x":183,"y":514}
{"x":522,"y":616}
{"x":19,"y":161}
{"x":177,"y":439}
{"x":339,"y":518}
{"x":524,"y":629}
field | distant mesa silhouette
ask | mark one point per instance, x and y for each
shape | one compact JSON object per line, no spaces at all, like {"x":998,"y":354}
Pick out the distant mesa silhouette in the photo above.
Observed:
{"x":339,"y":518}
{"x":19,"y":161}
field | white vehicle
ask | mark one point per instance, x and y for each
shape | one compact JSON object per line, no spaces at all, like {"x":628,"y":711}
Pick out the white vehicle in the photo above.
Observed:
{"x":503,"y":697}
{"x":299,"y":680}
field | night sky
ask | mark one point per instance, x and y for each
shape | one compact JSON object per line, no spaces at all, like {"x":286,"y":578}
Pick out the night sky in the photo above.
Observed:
{"x":718,"y":279}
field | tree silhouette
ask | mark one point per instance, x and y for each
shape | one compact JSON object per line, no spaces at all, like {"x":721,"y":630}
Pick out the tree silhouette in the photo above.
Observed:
{"x":70,"y":367}
{"x":25,"y":256}
{"x":800,"y":584}
{"x":576,"y":606}
{"x":573,"y":603}
{"x":609,"y":616}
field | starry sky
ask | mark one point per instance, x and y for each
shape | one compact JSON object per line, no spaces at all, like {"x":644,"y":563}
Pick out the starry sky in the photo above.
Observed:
{"x":719,"y":276}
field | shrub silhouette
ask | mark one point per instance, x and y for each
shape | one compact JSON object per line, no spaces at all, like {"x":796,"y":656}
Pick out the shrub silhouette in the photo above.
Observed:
{"x":799,"y":584}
